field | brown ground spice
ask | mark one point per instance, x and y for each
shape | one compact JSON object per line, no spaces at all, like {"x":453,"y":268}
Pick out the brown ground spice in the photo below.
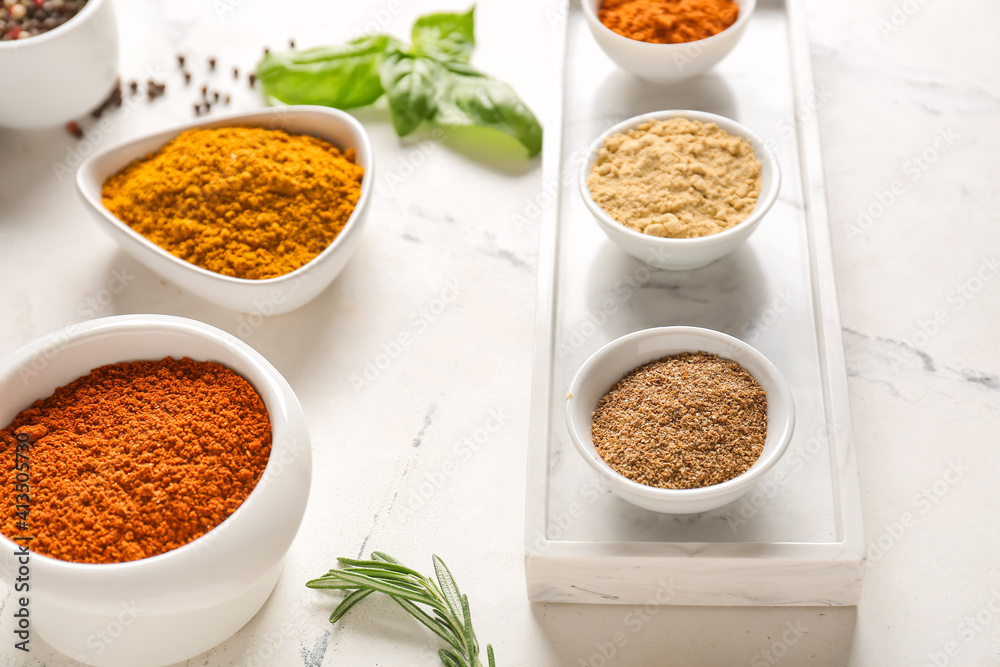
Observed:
{"x":682,"y":422}
{"x":135,"y":459}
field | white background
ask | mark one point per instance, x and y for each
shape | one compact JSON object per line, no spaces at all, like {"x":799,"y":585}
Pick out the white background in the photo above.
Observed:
{"x":897,"y":73}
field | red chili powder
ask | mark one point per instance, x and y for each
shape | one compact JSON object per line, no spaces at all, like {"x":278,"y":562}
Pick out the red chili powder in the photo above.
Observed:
{"x":134,"y":459}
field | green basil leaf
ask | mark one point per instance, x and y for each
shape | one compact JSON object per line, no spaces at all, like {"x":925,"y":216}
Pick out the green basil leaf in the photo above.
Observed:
{"x":410,"y":82}
{"x":479,"y":101}
{"x":445,"y":36}
{"x":343,"y":76}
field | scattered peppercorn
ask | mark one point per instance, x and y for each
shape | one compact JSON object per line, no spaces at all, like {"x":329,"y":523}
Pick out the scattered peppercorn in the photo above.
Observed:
{"x":155,"y":88}
{"x":267,"y":51}
{"x":291,"y":43}
{"x":215,"y":94}
{"x":236,"y":72}
{"x":187,"y":78}
{"x":253,"y":79}
{"x":207,"y":105}
{"x":74,"y":128}
{"x":133,"y":86}
{"x":197,"y":109}
{"x":114,"y":99}
{"x":204,"y":90}
{"x":211,"y":64}
{"x":227,"y":99}
{"x":180,"y":60}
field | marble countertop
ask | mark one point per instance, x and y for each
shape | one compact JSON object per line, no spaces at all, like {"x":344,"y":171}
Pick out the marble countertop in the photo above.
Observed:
{"x":911,"y":94}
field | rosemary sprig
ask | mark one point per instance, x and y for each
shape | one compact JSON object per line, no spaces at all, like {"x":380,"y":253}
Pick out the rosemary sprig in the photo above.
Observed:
{"x":445,"y":609}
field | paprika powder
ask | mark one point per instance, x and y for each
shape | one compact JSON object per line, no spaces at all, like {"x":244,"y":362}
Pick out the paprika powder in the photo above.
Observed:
{"x":668,"y":21}
{"x":135,"y":459}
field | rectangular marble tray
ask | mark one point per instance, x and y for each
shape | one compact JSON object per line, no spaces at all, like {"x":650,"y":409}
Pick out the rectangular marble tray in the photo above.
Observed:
{"x":797,"y":538}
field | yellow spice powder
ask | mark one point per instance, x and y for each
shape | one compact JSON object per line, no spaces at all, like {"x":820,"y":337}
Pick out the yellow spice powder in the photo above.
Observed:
{"x":246,"y":202}
{"x":676,"y":178}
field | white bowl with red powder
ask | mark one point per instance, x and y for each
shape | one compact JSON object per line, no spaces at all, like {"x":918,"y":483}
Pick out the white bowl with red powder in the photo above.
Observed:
{"x":613,"y":361}
{"x":666,"y":63}
{"x":173,"y":606}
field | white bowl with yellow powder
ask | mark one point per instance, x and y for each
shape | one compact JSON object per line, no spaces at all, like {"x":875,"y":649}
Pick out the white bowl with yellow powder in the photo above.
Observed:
{"x":679,"y":189}
{"x":666,"y":63}
{"x":276,"y":292}
{"x":173,"y":606}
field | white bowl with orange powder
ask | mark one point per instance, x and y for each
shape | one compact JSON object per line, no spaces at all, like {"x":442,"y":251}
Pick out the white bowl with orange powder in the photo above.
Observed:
{"x":666,"y":63}
{"x":264,"y":297}
{"x":173,"y":606}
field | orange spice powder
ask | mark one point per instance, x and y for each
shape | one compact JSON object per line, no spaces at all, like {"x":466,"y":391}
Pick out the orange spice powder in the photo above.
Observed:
{"x":135,"y":459}
{"x":668,"y":21}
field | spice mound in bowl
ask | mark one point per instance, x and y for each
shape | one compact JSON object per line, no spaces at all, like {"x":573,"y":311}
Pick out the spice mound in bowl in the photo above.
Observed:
{"x":138,"y":458}
{"x":246,"y":202}
{"x":20,"y":19}
{"x":668,"y":21}
{"x":682,"y":422}
{"x":679,"y":420}
{"x":667,"y":41}
{"x":677,"y":178}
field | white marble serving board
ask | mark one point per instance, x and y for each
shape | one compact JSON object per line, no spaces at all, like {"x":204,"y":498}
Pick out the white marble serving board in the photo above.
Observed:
{"x":795,"y":539}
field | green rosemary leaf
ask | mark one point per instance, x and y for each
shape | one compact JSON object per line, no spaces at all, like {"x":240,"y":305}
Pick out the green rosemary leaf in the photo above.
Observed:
{"x":469,"y":632}
{"x":449,"y":588}
{"x":348,"y":602}
{"x":383,"y":565}
{"x":451,"y":659}
{"x":433,"y":625}
{"x":351,"y":580}
{"x":489,"y":654}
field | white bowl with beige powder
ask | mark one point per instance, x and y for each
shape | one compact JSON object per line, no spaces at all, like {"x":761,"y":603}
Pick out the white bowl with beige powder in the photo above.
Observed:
{"x":679,"y":189}
{"x":612,"y":363}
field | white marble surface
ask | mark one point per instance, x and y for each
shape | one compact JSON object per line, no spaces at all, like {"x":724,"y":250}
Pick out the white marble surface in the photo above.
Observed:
{"x":921,"y":401}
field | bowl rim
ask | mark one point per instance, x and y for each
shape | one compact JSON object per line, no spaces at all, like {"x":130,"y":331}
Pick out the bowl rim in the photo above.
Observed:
{"x":760,"y":467}
{"x":747,"y":8}
{"x":764,"y":204}
{"x":140,"y":323}
{"x":238,"y":118}
{"x":12,"y":44}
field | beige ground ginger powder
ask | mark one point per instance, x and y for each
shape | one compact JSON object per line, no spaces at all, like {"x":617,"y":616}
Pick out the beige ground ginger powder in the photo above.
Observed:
{"x":678,"y":178}
{"x":682,"y":422}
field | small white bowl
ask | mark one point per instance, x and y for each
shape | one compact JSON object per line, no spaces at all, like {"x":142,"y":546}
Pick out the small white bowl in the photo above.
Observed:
{"x":174,"y":606}
{"x":273,"y":295}
{"x":666,"y":63}
{"x":683,"y":254}
{"x":61,"y":74}
{"x":609,"y":364}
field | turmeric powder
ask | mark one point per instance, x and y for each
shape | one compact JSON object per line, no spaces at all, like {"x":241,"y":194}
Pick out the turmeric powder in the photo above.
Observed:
{"x":668,"y":21}
{"x":247,"y":202}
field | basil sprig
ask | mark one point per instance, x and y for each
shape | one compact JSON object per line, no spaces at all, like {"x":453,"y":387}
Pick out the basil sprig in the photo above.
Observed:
{"x":429,"y":80}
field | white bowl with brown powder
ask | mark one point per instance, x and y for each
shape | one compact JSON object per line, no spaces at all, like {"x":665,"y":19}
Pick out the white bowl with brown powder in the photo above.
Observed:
{"x":679,"y":189}
{"x":679,"y":420}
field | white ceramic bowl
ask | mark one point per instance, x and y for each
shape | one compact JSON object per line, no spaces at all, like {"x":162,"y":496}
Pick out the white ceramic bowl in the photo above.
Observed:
{"x":683,"y":254}
{"x":61,"y":74}
{"x":609,"y":364}
{"x":267,"y":297}
{"x":666,"y":63}
{"x":171,"y":607}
